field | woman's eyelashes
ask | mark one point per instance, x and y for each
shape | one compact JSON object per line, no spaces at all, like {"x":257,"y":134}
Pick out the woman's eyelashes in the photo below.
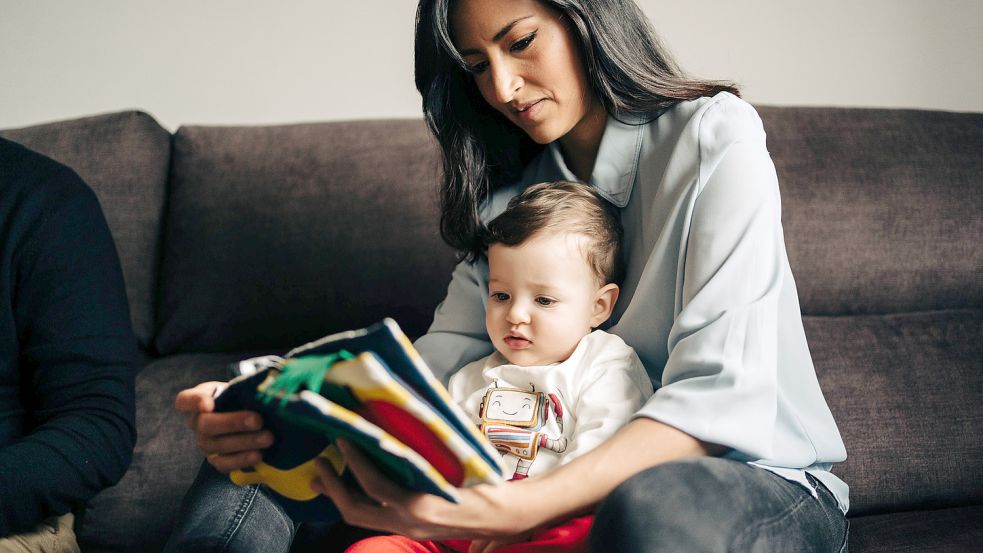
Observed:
{"x":523,"y":42}
{"x":517,"y":46}
{"x":478,"y":68}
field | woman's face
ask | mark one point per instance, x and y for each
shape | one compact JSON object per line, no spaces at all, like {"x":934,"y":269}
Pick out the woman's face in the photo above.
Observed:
{"x":526,"y":64}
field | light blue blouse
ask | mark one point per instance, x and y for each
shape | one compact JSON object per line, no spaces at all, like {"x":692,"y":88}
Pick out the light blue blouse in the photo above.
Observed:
{"x":708,"y":302}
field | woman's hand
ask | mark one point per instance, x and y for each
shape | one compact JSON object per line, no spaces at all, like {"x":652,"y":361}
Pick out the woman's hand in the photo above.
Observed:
{"x":487,"y":546}
{"x":488,"y":512}
{"x":497,"y":515}
{"x":230,"y":440}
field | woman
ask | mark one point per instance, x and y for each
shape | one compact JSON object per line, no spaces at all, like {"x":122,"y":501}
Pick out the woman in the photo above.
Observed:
{"x":734,"y":449}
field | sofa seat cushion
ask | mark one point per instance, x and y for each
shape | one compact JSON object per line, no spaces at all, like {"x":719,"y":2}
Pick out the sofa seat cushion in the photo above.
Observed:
{"x":137,"y":514}
{"x":125,"y":158}
{"x":905,"y":391}
{"x":958,"y":530}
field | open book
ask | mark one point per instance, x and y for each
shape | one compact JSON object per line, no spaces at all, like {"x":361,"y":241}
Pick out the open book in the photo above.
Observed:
{"x":372,"y":388}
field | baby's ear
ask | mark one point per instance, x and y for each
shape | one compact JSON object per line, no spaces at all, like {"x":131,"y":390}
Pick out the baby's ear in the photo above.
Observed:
{"x":604,"y":301}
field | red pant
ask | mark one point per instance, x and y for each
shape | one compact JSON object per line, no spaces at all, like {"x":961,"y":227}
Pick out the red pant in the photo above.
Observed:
{"x":568,"y":537}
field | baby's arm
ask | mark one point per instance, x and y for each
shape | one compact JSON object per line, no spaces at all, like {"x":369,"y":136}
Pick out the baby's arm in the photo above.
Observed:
{"x":616,"y":386}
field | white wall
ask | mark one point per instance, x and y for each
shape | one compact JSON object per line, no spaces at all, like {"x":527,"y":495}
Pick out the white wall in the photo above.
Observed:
{"x":251,"y":61}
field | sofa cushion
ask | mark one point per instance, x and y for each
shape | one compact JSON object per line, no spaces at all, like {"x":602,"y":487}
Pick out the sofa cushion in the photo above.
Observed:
{"x":882,"y":208}
{"x":124,"y":157}
{"x":905,"y":392}
{"x":942,"y":531}
{"x":276,"y":235}
{"x":137,"y":514}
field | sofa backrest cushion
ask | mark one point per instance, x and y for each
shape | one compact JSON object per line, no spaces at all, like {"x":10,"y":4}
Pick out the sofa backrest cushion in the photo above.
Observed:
{"x":883,"y":209}
{"x":124,"y":157}
{"x":281,"y":234}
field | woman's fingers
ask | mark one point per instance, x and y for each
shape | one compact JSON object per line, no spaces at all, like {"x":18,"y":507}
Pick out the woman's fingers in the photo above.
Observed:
{"x":356,"y":509}
{"x":489,"y":545}
{"x":231,"y":440}
{"x":199,"y":399}
{"x":217,"y":424}
{"x":329,"y":483}
{"x":226,"y":463}
{"x":229,"y":443}
{"x":380,"y":504}
{"x":227,"y":449}
{"x":375,"y":484}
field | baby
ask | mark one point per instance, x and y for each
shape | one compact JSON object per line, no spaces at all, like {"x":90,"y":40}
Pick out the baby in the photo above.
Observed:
{"x":555,"y":387}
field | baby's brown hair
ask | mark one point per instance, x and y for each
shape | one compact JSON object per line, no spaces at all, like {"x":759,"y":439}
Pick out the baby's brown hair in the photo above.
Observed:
{"x":565,"y":207}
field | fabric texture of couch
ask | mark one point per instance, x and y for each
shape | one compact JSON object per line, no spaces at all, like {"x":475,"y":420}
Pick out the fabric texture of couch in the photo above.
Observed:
{"x":237,"y":241}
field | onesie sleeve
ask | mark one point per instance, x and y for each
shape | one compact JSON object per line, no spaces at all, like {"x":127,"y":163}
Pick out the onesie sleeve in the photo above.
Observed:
{"x":615,"y":386}
{"x":457,"y":335}
{"x":719,"y":383}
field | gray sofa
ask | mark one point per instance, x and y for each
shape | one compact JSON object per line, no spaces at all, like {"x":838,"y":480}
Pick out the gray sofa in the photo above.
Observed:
{"x":238,"y":241}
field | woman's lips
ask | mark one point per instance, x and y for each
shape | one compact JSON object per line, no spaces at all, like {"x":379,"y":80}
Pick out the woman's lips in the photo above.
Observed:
{"x":517,"y":342}
{"x":530,"y":113}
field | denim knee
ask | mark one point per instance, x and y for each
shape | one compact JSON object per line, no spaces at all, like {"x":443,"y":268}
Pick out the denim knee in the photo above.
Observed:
{"x":676,"y":506}
{"x":713,"y":504}
{"x":218,"y":516}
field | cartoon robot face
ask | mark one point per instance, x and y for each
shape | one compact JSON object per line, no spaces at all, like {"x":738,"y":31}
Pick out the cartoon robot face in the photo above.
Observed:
{"x":514,"y":407}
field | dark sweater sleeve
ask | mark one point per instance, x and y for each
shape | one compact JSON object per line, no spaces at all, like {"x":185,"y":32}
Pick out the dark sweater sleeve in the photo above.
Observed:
{"x":77,"y":360}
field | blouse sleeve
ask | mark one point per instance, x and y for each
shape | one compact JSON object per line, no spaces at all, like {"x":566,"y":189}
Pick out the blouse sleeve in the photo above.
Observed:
{"x":720,"y":383}
{"x":457,"y":335}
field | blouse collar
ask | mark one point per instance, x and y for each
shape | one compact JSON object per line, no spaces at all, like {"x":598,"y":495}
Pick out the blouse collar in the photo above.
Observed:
{"x":617,"y":159}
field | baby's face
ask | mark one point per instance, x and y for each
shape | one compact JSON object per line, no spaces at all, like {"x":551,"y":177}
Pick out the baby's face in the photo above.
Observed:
{"x":542,"y":298}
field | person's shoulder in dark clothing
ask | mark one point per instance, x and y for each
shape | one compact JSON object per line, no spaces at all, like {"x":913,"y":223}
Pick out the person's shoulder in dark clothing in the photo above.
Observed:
{"x":67,"y":351}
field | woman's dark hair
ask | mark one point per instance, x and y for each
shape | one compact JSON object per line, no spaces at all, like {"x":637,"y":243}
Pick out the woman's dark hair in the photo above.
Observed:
{"x":630,"y":72}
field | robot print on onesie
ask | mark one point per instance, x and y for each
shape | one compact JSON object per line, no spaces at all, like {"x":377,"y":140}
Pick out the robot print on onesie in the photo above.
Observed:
{"x":515,"y":420}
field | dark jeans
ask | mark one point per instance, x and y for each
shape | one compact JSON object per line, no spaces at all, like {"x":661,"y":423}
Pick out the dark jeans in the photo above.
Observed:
{"x":693,"y":505}
{"x":218,"y":516}
{"x":710,"y":505}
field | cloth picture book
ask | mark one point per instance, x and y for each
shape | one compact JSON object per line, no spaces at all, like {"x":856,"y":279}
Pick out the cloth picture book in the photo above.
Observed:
{"x":371,"y":387}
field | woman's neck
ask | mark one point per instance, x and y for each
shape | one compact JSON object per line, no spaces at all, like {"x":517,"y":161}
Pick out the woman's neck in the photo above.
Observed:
{"x":580,"y":145}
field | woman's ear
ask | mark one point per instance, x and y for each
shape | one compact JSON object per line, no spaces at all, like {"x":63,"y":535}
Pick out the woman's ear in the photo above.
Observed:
{"x":604,"y":301}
